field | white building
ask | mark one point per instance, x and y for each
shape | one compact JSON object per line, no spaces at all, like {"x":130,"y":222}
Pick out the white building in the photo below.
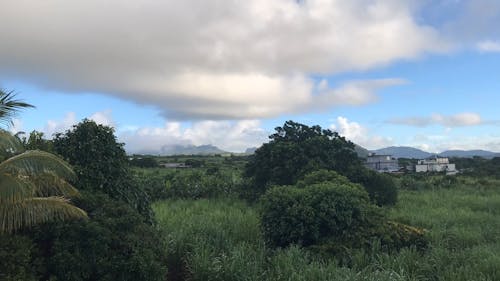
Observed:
{"x":436,"y":164}
{"x":382,"y":163}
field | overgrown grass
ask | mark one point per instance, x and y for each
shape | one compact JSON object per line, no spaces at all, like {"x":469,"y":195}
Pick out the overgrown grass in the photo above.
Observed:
{"x":221,"y":240}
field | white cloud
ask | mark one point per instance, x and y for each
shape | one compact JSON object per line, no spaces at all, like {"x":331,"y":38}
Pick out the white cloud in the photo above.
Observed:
{"x":59,"y":126}
{"x":359,"y":134}
{"x":488,"y":46}
{"x":205,"y":60}
{"x":227,"y":135}
{"x":457,"y":120}
{"x":103,"y":117}
{"x":17,"y":126}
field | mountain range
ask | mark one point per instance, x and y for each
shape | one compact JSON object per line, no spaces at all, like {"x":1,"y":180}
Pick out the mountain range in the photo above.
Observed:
{"x":395,"y":151}
{"x":188,"y":149}
{"x":411,"y":152}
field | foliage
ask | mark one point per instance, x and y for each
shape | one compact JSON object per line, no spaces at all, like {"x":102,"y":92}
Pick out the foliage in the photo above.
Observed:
{"x":381,"y":187}
{"x":153,"y":182}
{"x":17,"y":255}
{"x":321,"y":176}
{"x":195,"y":184}
{"x":101,"y":164}
{"x":339,"y":212}
{"x":36,"y":141}
{"x":10,"y":106}
{"x":33,"y":187}
{"x":144,"y":162}
{"x":210,"y":239}
{"x":296,"y":149}
{"x":219,"y":240}
{"x":113,"y":245}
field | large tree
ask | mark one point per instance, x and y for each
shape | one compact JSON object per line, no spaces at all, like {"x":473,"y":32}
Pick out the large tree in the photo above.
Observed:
{"x":101,"y":164}
{"x":296,"y":149}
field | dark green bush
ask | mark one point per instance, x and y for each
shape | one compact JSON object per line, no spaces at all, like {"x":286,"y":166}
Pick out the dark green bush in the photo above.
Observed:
{"x":154,"y":184}
{"x":114,"y":244}
{"x":17,"y":258}
{"x":196,"y":184}
{"x":381,"y":187}
{"x":320,"y":176}
{"x":339,"y":212}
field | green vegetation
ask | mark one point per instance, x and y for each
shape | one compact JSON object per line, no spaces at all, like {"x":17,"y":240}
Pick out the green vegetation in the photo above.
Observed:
{"x":218,"y":239}
{"x":297,"y":149}
{"x":315,"y":213}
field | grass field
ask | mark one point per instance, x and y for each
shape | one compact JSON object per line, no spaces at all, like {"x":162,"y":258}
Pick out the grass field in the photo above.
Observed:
{"x":220,"y":240}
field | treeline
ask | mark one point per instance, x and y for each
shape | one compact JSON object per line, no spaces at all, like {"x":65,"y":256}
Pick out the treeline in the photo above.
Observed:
{"x":118,"y":241}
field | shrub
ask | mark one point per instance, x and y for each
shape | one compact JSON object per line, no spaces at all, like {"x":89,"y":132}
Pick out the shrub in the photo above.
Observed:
{"x":16,"y":255}
{"x":339,"y":212}
{"x":114,"y":244}
{"x":380,"y":187}
{"x":196,"y":184}
{"x":322,"y":176}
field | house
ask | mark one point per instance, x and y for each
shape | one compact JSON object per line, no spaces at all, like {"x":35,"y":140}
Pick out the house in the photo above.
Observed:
{"x":382,"y":163}
{"x":436,"y":164}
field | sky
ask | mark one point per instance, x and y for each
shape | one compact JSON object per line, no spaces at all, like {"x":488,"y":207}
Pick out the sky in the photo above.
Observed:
{"x":421,"y":73}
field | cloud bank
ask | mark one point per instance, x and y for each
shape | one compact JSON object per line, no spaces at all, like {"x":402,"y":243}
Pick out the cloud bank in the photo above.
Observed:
{"x":457,"y":120}
{"x":211,"y":60}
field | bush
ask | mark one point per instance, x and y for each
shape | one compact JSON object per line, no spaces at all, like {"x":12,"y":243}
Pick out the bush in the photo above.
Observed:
{"x":322,"y":176}
{"x":380,"y":187}
{"x":154,"y":184}
{"x":114,"y":244}
{"x":196,"y":185}
{"x":339,"y":212}
{"x":17,"y":258}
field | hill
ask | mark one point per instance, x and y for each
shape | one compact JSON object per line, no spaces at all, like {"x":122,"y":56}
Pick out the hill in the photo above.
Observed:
{"x":180,"y":149}
{"x":403,"y":152}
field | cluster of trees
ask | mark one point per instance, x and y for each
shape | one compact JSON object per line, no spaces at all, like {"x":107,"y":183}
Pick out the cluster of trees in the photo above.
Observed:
{"x":315,"y":192}
{"x":112,"y":234}
{"x":297,"y":149}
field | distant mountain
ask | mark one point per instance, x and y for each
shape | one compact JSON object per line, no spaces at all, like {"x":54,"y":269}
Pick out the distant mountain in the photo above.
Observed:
{"x":250,"y":150}
{"x":361,"y":151}
{"x":180,"y":149}
{"x":403,"y":152}
{"x":411,"y":152}
{"x":469,"y":153}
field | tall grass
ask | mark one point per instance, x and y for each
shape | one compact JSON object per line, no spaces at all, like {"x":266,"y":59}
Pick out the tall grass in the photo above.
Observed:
{"x":221,"y":240}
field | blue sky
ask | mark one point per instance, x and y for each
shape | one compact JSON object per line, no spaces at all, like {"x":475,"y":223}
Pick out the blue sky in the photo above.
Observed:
{"x":418,"y":73}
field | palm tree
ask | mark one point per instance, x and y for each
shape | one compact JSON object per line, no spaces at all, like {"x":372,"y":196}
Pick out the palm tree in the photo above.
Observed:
{"x":33,"y":184}
{"x":9,"y":106}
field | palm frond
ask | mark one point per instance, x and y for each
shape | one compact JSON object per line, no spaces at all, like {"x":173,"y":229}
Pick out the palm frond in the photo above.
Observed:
{"x":29,"y":212}
{"x":10,"y":106}
{"x":9,"y":144}
{"x":14,"y":188}
{"x":35,"y":163}
{"x":52,"y":185}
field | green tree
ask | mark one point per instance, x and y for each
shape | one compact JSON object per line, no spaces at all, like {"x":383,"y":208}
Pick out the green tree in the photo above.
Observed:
{"x":101,"y":164}
{"x":33,"y":186}
{"x":295,"y":150}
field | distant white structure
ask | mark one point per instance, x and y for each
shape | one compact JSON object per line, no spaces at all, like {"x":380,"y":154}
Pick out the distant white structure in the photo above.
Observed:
{"x":436,"y":164}
{"x":382,"y":163}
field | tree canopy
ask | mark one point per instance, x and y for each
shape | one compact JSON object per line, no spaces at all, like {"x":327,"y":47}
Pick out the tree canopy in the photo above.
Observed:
{"x":297,"y":149}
